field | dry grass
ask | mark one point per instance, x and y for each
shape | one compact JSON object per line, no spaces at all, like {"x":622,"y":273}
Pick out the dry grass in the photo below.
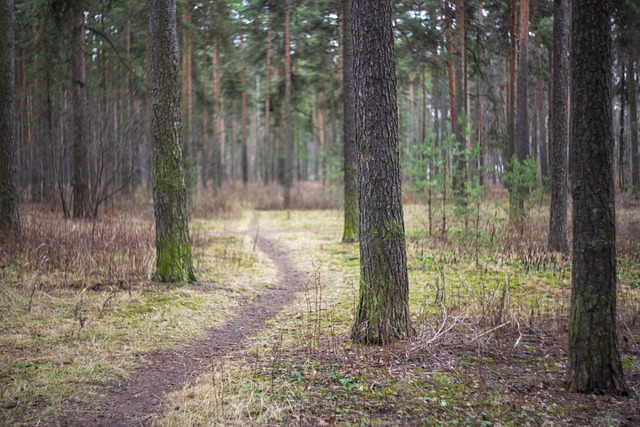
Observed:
{"x":78,"y":308}
{"x":490,"y":320}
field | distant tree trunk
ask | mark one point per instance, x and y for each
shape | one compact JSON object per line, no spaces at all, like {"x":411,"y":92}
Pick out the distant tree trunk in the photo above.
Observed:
{"x":187,"y":98}
{"x":268,"y":152}
{"x":623,"y":97}
{"x":173,"y":250}
{"x":218,"y":123}
{"x":206,"y":144}
{"x":383,"y":308}
{"x":81,"y":202}
{"x":288,"y":141}
{"x":459,"y":177}
{"x":522,"y":113}
{"x":9,"y":200}
{"x":245,"y":153}
{"x":511,"y":104}
{"x":633,"y":112}
{"x":560,"y":130}
{"x":351,"y":212}
{"x":541,"y":138}
{"x":594,"y":360}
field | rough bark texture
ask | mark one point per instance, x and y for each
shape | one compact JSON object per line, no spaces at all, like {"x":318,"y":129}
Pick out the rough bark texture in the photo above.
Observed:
{"x":81,"y":202}
{"x":633,"y":113}
{"x":288,"y":135}
{"x":173,"y":250}
{"x":594,"y":360}
{"x":351,"y":213}
{"x":9,"y":212}
{"x":560,"y":130}
{"x":383,"y":307}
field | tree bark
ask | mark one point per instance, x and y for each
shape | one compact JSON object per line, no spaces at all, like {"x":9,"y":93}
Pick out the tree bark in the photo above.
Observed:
{"x":245,"y":153}
{"x":81,"y":202}
{"x":9,"y":200}
{"x":560,"y":130}
{"x":522,"y":112}
{"x":633,"y":112}
{"x":173,"y":250}
{"x":541,"y":138}
{"x":383,"y":308}
{"x":268,"y":151}
{"x":459,"y":177}
{"x":594,"y":360}
{"x":288,"y":138}
{"x":351,"y":210}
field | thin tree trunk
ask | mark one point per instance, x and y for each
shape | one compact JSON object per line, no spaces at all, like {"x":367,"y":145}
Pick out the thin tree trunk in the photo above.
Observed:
{"x":288,"y":151}
{"x":351,"y":210}
{"x":540,"y":128}
{"x":621,"y":144}
{"x":594,"y":359}
{"x":268,"y":149}
{"x":81,"y":202}
{"x":558,"y":208}
{"x":245,"y":159}
{"x":633,"y":113}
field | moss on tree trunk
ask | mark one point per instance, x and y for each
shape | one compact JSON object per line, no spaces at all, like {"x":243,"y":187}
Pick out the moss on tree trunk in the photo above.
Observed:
{"x":174,"y":261}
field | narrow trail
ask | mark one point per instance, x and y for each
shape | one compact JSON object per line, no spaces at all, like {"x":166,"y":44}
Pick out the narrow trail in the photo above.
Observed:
{"x":136,"y":402}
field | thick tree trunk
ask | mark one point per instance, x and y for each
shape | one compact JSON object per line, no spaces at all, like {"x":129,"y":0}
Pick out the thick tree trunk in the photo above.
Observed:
{"x":288,"y":138}
{"x":560,"y":130}
{"x":81,"y":202}
{"x":9,"y":203}
{"x":173,"y":250}
{"x":383,"y":307}
{"x":594,"y":360}
{"x":351,"y":210}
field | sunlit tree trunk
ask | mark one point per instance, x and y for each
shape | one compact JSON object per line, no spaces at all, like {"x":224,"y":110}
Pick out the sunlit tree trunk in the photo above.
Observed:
{"x":9,"y":203}
{"x":594,"y":360}
{"x":383,"y":308}
{"x":173,"y":250}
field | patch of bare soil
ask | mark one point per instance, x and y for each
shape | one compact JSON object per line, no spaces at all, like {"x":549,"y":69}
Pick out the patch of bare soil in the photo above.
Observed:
{"x":136,"y":401}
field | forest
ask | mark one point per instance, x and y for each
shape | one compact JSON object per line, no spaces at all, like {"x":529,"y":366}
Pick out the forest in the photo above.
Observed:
{"x":319,"y":213}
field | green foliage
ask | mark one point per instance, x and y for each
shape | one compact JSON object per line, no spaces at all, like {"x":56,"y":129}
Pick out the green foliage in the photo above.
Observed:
{"x":520,"y":178}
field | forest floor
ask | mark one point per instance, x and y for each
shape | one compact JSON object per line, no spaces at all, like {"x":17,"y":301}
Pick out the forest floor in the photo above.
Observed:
{"x":263,"y":337}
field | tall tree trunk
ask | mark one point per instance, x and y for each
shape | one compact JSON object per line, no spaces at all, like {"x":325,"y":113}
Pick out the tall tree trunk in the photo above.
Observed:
{"x":245,"y":153}
{"x":560,"y":130}
{"x":9,"y":203}
{"x":218,"y":123}
{"x":187,"y":98}
{"x":351,"y":212}
{"x":81,"y":196}
{"x":519,"y":193}
{"x":594,"y":360}
{"x":206,"y":143}
{"x":623,"y":98}
{"x":541,"y":138}
{"x":459,"y":177}
{"x":268,"y":151}
{"x":288,"y":144}
{"x":173,"y":250}
{"x":383,"y":307}
{"x":511,"y":110}
{"x":633,"y":113}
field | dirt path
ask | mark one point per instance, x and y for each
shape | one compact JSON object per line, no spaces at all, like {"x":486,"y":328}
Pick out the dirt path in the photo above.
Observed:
{"x":142,"y":396}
